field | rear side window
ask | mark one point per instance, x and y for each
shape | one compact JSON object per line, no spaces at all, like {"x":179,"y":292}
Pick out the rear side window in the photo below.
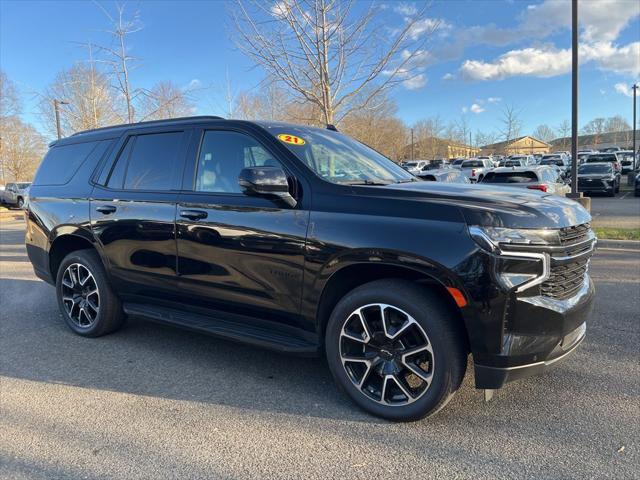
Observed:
{"x":61,"y":163}
{"x":148,"y":162}
{"x":510,"y":177}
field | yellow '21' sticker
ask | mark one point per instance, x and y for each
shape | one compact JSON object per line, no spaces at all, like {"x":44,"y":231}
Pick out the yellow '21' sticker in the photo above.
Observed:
{"x":292,"y":139}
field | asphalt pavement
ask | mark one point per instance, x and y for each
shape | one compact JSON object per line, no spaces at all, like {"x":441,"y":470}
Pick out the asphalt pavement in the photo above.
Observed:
{"x":154,"y":402}
{"x":621,"y":211}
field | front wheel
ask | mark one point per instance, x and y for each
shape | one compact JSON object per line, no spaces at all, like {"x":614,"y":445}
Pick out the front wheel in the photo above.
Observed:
{"x":20,"y":203}
{"x":396,"y":349}
{"x":86,"y":301}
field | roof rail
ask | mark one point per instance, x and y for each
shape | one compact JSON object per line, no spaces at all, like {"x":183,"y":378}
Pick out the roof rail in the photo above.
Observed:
{"x":153,"y":122}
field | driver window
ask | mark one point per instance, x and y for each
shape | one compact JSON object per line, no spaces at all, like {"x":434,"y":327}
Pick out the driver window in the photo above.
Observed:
{"x":223,"y":155}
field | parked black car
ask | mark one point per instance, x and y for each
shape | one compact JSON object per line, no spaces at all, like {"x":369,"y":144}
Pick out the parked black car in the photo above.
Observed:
{"x":598,"y":178}
{"x":303,"y":240}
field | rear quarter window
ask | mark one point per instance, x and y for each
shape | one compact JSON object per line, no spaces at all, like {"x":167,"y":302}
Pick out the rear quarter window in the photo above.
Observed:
{"x":61,"y":163}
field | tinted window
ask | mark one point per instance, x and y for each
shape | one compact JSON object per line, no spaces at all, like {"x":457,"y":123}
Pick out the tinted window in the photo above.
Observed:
{"x":472,"y":164}
{"x":602,"y":158}
{"x":154,"y":162}
{"x":148,"y":162}
{"x":223,"y":155}
{"x":510,"y":177}
{"x":116,"y":178}
{"x":594,"y":169}
{"x":61,"y":163}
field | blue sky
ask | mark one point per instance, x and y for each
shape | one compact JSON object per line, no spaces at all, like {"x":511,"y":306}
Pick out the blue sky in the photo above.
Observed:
{"x":484,"y":55}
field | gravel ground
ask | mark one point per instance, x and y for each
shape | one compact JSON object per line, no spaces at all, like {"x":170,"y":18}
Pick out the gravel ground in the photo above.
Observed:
{"x":153,"y":402}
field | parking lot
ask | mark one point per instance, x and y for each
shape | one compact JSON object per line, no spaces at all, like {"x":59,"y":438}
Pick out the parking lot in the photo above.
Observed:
{"x":180,"y":405}
{"x":623,"y":211}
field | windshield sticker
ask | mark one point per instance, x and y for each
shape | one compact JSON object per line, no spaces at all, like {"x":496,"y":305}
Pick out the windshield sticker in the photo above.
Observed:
{"x":291,"y":139}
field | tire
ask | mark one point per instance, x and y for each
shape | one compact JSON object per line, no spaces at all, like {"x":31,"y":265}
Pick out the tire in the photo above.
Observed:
{"x":102,"y":309}
{"x":611,"y":192}
{"x":20,"y":202}
{"x":413,"y":314}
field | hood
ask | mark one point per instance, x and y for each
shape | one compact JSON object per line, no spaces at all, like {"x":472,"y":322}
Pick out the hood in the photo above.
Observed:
{"x":488,"y":205}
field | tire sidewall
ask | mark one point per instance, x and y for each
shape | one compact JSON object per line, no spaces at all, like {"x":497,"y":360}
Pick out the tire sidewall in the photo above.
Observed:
{"x":429,"y":318}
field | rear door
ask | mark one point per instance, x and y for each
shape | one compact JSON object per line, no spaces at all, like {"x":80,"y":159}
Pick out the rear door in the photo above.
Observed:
{"x":238,"y":253}
{"x":133,"y":211}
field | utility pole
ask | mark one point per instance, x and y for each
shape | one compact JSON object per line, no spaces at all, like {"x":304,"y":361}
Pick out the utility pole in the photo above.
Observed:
{"x":635,"y":89}
{"x":412,"y":143}
{"x":574,"y":99}
{"x":470,"y":147}
{"x":56,"y":108}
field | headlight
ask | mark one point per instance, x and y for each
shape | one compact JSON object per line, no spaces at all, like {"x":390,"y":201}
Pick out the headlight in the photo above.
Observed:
{"x":490,"y":238}
{"x":512,"y":268}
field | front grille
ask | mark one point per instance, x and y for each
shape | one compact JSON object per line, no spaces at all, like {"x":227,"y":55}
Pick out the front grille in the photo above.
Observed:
{"x":565,"y":280}
{"x":575,"y":234}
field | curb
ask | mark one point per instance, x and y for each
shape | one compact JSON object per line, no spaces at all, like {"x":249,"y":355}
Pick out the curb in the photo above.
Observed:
{"x":619,"y":244}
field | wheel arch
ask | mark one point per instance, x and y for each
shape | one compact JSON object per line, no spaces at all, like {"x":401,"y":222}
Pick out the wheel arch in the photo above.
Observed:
{"x":355,"y":274}
{"x":65,"y":242}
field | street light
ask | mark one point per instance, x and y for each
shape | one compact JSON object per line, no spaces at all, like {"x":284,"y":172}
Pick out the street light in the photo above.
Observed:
{"x":56,"y":108}
{"x":574,"y":99}
{"x":635,"y":88}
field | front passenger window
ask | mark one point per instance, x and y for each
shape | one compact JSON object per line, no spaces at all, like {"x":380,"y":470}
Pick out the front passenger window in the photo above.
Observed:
{"x":223,"y":155}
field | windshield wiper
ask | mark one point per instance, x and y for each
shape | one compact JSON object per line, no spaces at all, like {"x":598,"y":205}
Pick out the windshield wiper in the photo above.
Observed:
{"x":367,"y":182}
{"x":408,"y":180}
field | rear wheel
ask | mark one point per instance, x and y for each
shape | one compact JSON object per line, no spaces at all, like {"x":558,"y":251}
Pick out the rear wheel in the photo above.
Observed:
{"x":20,"y":202}
{"x":86,"y":301}
{"x":396,"y":349}
{"x":611,"y":192}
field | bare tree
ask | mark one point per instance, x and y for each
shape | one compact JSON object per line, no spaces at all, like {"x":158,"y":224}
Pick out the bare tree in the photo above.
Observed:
{"x":428,"y":135}
{"x":484,"y":139}
{"x":166,"y":100}
{"x":545,"y":133}
{"x":511,"y":123}
{"x":117,"y":56}
{"x":21,"y":150}
{"x":564,"y":132}
{"x":89,"y":101}
{"x":9,"y":99}
{"x":595,"y":127}
{"x":379,"y":128}
{"x":326,"y":55}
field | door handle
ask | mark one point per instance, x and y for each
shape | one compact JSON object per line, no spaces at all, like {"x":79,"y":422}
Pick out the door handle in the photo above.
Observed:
{"x":193,"y":214}
{"x":106,"y":209}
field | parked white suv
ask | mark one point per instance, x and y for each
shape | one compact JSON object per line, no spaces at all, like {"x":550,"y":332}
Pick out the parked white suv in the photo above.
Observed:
{"x":15,"y":194}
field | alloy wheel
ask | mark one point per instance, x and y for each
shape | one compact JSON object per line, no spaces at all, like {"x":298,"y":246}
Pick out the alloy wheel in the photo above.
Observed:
{"x":386,"y":354}
{"x":80,"y":295}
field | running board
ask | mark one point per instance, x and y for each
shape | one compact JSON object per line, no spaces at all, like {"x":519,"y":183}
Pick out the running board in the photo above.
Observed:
{"x":228,"y":326}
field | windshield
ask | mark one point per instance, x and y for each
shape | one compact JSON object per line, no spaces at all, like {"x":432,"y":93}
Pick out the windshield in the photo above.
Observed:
{"x":551,"y":161}
{"x":22,"y":186}
{"x":411,"y":164}
{"x":595,"y":168}
{"x":510,"y":177}
{"x":337,"y":158}
{"x":472,"y":164}
{"x":602,"y":158}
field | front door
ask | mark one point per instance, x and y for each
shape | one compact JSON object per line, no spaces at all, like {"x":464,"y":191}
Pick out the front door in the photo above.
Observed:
{"x":133,"y":213}
{"x":238,"y":253}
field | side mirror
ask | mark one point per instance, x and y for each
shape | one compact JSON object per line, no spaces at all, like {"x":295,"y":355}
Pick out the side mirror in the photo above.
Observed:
{"x":266,"y":182}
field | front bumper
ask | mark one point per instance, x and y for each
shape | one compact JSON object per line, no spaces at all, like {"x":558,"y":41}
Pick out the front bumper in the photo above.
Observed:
{"x":549,"y":330}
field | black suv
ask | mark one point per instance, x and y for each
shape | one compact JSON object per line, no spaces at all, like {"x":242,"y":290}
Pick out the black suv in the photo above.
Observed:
{"x":303,"y":240}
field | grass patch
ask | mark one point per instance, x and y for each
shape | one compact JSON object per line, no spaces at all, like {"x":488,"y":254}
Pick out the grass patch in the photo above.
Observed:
{"x":617,"y":233}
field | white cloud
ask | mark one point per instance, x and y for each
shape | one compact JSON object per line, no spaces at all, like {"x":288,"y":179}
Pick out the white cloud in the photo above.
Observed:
{"x":475,"y":108}
{"x":405,"y":9}
{"x":465,"y":109}
{"x":528,"y":61}
{"x":448,"y":76}
{"x":428,"y":26}
{"x":624,"y":89}
{"x":279,"y":9}
{"x":415,"y":82}
{"x":493,"y":99}
{"x":549,"y":61}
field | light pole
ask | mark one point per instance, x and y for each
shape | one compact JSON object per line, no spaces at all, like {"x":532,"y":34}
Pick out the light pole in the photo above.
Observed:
{"x":635,"y":89}
{"x":412,"y":144}
{"x":574,"y":99}
{"x":56,"y":108}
